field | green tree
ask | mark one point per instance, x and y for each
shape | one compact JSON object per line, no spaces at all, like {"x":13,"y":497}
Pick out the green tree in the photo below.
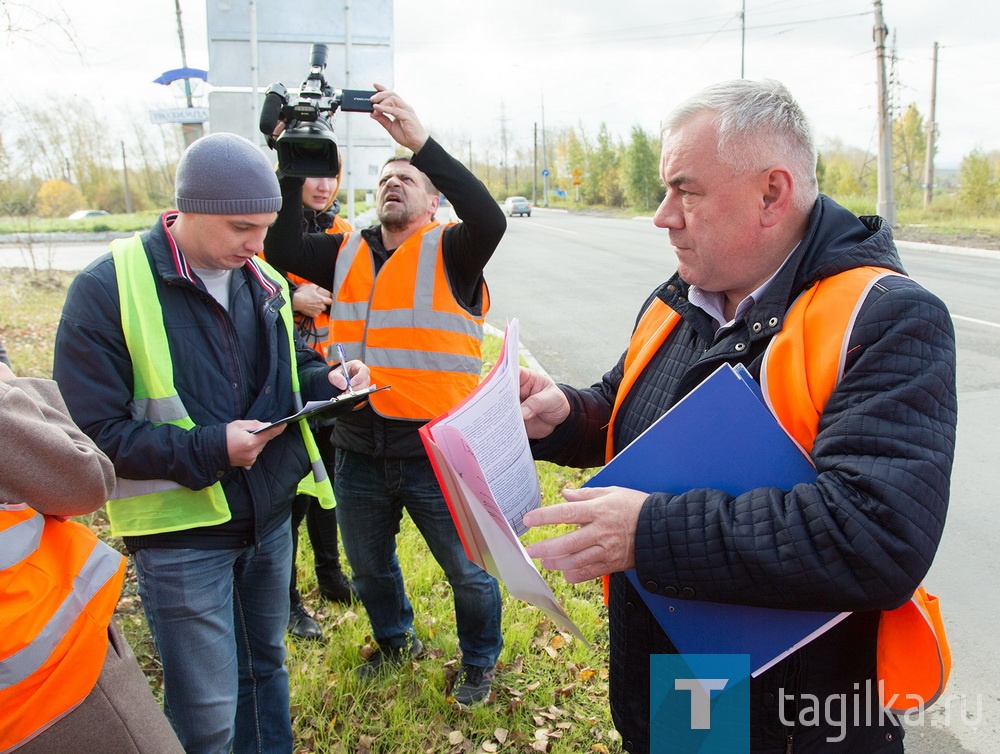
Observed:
{"x":843,"y":171}
{"x":641,"y":170}
{"x":604,"y":185}
{"x":978,"y":186}
{"x":909,"y":147}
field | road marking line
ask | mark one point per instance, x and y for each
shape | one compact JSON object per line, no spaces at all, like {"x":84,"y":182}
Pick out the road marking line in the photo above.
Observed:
{"x":561,"y":230}
{"x":976,"y":321}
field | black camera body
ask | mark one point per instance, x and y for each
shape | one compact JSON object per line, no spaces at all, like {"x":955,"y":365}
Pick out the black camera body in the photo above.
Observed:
{"x":306,"y":148}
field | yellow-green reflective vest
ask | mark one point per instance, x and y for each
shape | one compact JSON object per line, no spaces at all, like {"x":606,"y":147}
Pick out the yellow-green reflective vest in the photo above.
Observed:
{"x":154,"y":506}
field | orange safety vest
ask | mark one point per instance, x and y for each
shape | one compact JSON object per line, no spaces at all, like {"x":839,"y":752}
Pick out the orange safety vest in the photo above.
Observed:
{"x":407,"y":326}
{"x":319,"y":337}
{"x":800,"y":369}
{"x":59,"y":586}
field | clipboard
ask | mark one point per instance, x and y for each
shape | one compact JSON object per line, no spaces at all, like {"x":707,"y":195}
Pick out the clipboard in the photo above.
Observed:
{"x":341,"y":404}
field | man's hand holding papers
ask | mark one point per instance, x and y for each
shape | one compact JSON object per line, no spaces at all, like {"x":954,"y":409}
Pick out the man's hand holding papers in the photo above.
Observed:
{"x":483,"y":463}
{"x":603,"y":543}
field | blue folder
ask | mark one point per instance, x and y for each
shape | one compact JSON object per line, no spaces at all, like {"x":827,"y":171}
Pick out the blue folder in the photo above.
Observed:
{"x":719,"y":436}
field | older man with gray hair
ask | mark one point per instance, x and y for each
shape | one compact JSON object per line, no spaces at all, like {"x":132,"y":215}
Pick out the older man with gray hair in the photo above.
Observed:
{"x":858,"y":365}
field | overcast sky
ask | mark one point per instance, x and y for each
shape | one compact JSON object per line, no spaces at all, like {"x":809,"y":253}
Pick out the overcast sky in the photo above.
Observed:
{"x":470,"y":68}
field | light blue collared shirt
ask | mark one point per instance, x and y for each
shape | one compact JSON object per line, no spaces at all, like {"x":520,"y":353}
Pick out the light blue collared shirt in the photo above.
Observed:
{"x":713,"y":302}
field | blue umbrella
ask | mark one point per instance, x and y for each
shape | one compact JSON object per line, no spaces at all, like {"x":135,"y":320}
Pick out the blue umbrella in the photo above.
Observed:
{"x":168,"y":77}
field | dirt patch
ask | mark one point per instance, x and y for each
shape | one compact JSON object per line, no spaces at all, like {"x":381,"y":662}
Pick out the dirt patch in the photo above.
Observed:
{"x":970,"y":239}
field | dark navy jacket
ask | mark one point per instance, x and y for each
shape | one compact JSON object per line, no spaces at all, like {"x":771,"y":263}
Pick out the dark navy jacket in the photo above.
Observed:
{"x":227,"y":366}
{"x":860,"y":539}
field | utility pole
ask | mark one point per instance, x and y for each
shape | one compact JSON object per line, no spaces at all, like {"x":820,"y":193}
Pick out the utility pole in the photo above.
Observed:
{"x":743,"y":36}
{"x":192,"y":131}
{"x":348,"y":153}
{"x":128,"y":194}
{"x":931,"y":133}
{"x":534,"y":182}
{"x":503,"y":146}
{"x":545,"y":161}
{"x":886,"y":206}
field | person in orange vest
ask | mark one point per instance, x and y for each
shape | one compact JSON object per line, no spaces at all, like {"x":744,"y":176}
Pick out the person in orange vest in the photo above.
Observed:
{"x":857,"y":361}
{"x":311,"y":304}
{"x":68,"y":679}
{"x":410,"y":299}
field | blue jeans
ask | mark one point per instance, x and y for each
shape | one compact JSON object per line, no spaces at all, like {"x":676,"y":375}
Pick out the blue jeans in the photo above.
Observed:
{"x":371,"y":495}
{"x":218,"y":621}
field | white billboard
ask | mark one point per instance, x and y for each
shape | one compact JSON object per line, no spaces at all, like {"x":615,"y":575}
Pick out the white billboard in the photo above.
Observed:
{"x":254,"y":43}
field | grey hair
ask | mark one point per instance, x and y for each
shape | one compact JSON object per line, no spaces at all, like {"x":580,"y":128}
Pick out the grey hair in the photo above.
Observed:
{"x":759,"y":125}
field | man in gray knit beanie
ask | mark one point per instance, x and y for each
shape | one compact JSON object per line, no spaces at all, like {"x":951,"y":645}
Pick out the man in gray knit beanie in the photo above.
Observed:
{"x":225,"y":174}
{"x":172,"y":349}
{"x":222,"y":177}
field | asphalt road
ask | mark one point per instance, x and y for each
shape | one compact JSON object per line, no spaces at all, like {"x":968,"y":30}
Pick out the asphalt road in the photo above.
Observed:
{"x":576,"y":283}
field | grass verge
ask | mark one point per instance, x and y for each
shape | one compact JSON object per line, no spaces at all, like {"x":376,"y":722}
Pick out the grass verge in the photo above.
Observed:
{"x":551,"y":690}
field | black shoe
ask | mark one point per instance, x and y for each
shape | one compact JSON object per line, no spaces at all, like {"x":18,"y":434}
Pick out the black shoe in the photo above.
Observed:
{"x":388,"y":658}
{"x":473,"y":685}
{"x":337,"y":588}
{"x":302,"y":624}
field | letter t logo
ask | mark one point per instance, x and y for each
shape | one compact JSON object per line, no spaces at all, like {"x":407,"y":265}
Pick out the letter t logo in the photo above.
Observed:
{"x":701,"y":698}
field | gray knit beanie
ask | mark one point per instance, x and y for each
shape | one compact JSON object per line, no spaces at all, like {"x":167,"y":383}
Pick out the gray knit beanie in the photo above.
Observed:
{"x":225,"y":174}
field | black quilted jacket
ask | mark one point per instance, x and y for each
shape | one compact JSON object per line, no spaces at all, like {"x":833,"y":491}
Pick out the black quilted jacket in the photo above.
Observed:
{"x":860,"y":539}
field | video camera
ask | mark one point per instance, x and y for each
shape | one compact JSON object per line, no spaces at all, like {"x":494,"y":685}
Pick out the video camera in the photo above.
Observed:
{"x":306,"y":148}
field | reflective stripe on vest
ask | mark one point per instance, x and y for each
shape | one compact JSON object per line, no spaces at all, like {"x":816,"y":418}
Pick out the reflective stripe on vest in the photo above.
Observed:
{"x":800,"y":370}
{"x":407,"y":326}
{"x":19,"y":538}
{"x":58,"y":599}
{"x":142,"y":506}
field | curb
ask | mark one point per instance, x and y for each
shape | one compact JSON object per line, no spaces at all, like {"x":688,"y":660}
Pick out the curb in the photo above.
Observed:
{"x":525,"y":355}
{"x":64,"y":237}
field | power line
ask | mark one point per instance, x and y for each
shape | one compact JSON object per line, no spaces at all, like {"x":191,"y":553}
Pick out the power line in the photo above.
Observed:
{"x":647,"y":33}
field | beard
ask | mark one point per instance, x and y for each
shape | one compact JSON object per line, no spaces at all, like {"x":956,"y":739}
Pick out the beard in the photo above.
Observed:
{"x":396,"y":216}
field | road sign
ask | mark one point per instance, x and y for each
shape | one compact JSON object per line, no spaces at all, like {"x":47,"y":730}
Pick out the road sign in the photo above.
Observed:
{"x":546,"y":172}
{"x":179,"y":115}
